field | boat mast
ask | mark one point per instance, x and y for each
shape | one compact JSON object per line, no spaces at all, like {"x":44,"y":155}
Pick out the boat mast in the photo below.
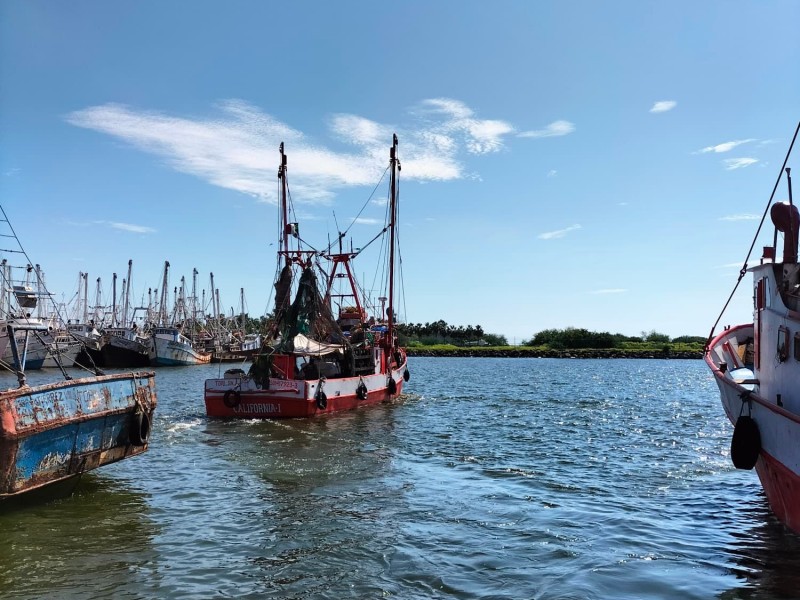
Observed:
{"x":114,"y":301}
{"x":284,"y":207}
{"x":97,"y":305}
{"x":241,"y":299}
{"x":395,"y":164}
{"x":127,"y":295}
{"x":85,"y":297}
{"x":162,"y":308}
{"x":194,"y":297}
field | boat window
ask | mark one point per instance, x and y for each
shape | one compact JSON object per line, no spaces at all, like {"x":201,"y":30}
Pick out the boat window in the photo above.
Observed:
{"x":783,"y":343}
{"x":758,"y":299}
{"x":797,"y":346}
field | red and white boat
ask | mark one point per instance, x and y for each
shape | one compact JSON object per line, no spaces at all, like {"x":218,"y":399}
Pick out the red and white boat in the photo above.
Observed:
{"x":323,"y":352}
{"x":757,"y":369}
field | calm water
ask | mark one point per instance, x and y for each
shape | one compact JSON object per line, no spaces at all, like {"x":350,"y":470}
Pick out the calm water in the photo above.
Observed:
{"x":492,"y":478}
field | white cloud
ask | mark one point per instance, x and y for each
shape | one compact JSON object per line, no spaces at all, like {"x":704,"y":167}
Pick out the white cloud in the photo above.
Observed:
{"x":238,"y":149}
{"x":725,"y":146}
{"x":480,"y":136}
{"x":738,"y":163}
{"x":550,"y":235}
{"x":741,"y":217}
{"x":555,"y":129}
{"x":663,"y":106}
{"x":610,"y":291}
{"x":552,"y":173}
{"x":127,"y":227}
{"x":367,"y":221}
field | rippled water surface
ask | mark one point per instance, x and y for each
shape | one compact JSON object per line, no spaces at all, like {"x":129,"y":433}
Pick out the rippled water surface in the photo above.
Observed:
{"x":490,"y":478}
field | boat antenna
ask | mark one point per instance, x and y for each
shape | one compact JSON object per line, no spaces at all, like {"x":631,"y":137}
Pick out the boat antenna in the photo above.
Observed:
{"x":743,"y":270}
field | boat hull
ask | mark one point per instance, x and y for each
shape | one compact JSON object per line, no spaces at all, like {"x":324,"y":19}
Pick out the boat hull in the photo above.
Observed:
{"x":62,"y":356}
{"x":239,"y":397}
{"x":778,"y":464}
{"x":123,"y":358}
{"x":169,"y":353}
{"x":54,"y":432}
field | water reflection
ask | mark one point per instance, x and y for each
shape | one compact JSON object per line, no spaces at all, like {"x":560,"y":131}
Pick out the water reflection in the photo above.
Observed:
{"x":100,"y":533}
{"x":324,"y":498}
{"x":766,"y":556}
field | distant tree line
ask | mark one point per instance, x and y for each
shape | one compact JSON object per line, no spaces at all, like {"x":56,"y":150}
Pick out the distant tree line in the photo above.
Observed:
{"x":573,"y":338}
{"x":439,"y":332}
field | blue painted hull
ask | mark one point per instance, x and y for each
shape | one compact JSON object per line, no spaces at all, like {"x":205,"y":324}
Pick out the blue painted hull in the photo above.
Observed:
{"x":52,"y":432}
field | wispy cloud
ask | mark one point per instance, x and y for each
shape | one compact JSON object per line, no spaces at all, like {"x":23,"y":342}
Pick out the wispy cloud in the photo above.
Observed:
{"x":367,"y":221}
{"x":725,"y":146}
{"x":555,"y":129}
{"x":456,"y":121}
{"x":609,"y":291}
{"x":738,"y":163}
{"x":663,"y":106}
{"x":237,"y":149}
{"x":550,"y":235}
{"x":741,"y":217}
{"x":552,"y":173}
{"x":12,"y":171}
{"x":125,"y":226}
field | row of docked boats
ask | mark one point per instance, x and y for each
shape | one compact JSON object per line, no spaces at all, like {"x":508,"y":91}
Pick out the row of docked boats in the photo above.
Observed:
{"x":159,"y":338}
{"x":322,"y":352}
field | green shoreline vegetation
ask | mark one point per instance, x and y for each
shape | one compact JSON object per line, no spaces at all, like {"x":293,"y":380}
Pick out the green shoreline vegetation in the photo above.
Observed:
{"x":440,"y":339}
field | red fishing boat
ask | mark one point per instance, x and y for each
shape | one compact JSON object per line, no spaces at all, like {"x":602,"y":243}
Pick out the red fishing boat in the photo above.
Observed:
{"x":757,"y":366}
{"x":329,"y":348}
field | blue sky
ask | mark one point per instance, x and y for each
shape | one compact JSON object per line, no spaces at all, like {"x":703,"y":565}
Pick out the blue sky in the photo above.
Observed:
{"x":580,"y":164}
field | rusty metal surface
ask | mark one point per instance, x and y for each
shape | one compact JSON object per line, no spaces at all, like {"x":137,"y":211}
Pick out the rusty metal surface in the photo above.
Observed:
{"x":54,"y":431}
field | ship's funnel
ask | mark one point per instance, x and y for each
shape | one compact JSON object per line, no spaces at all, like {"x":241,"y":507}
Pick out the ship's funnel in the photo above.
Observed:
{"x":786,"y":219}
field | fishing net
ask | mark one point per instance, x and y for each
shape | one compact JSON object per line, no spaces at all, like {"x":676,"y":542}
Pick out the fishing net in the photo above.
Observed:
{"x":308,"y":315}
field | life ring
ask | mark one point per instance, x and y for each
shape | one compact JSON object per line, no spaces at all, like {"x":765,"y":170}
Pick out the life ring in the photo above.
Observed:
{"x":406,"y":375}
{"x":361,"y":391}
{"x":392,"y":386}
{"x":232,"y":398}
{"x":140,"y":428}
{"x":745,"y":443}
{"x":322,"y":400}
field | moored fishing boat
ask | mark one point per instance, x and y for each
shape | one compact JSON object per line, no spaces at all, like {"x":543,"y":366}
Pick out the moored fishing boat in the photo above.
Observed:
{"x":757,"y":366}
{"x":320,"y":355}
{"x":53,"y":432}
{"x":170,"y":348}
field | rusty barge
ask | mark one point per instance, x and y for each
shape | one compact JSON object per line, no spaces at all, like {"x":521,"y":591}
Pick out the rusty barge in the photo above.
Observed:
{"x":52,"y":433}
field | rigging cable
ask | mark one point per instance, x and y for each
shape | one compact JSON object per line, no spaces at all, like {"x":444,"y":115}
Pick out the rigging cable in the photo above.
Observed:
{"x":341,"y":235}
{"x":743,"y":270}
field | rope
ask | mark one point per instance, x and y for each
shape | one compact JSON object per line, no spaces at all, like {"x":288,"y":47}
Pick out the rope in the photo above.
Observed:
{"x":743,"y":270}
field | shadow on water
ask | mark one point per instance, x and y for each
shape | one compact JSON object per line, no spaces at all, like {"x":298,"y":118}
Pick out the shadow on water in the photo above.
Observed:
{"x":101,"y":533}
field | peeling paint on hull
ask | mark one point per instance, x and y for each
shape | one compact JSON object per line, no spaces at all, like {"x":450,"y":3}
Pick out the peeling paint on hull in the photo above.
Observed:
{"x":52,"y":432}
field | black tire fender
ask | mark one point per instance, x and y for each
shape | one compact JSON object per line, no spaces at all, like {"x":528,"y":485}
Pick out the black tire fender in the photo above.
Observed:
{"x":745,"y":443}
{"x":140,"y":428}
{"x":232,"y":398}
